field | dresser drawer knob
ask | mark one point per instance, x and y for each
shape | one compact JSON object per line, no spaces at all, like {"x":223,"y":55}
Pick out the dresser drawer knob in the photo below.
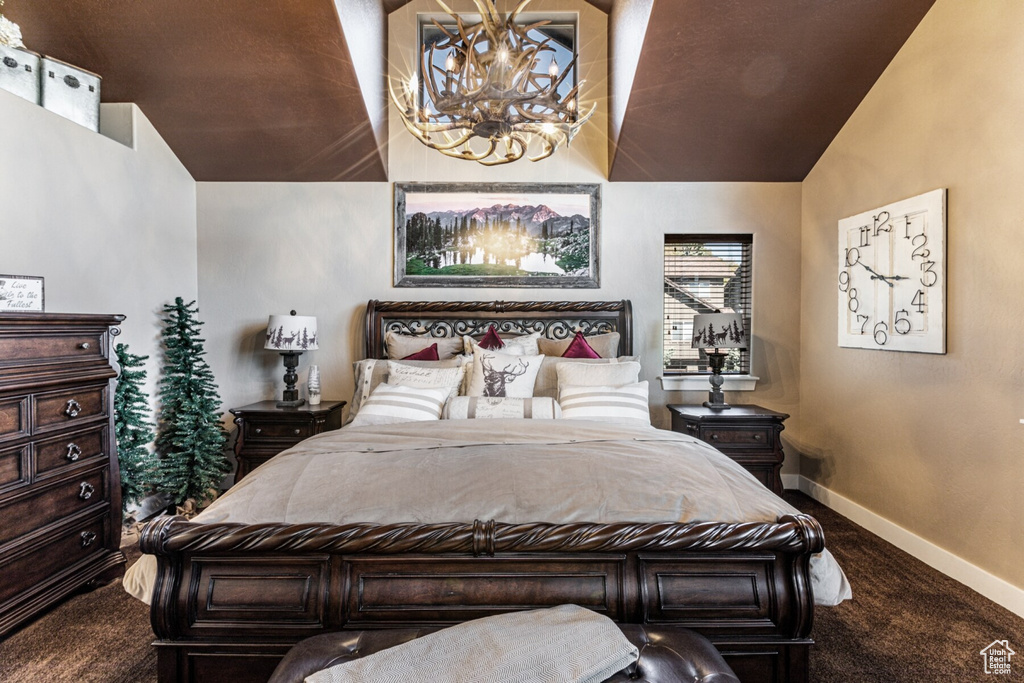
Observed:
{"x":74,"y":452}
{"x":88,"y":538}
{"x":86,"y":490}
{"x":714,"y":437}
{"x":259,"y":430}
{"x":757,"y":437}
{"x":297,"y":432}
{"x":73,"y":408}
{"x":84,"y":346}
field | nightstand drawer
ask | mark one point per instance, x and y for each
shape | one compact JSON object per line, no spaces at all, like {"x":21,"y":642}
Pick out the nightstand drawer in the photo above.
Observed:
{"x":278,"y":430}
{"x":739,"y":437}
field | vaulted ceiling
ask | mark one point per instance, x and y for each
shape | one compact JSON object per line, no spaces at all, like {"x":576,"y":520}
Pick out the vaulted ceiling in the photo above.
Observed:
{"x":243,"y":91}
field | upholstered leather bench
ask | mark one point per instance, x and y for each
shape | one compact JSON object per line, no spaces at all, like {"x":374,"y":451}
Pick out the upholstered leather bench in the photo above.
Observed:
{"x":667,"y":654}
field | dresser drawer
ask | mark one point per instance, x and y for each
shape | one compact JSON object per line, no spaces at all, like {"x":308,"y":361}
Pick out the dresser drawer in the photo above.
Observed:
{"x":276,"y":431}
{"x":739,"y":437}
{"x":79,"y":543}
{"x":31,"y":512}
{"x":55,"y":454}
{"x":58,"y":409}
{"x":28,"y":349}
{"x":13,"y":467}
{"x":13,"y":418}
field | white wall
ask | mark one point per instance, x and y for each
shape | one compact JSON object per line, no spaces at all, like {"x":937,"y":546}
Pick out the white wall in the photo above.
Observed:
{"x":111,"y":228}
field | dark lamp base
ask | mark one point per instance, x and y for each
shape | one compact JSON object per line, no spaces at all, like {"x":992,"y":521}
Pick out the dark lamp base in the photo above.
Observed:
{"x":291,"y":404}
{"x":290,"y":398}
{"x":716,"y":406}
{"x":716,"y":399}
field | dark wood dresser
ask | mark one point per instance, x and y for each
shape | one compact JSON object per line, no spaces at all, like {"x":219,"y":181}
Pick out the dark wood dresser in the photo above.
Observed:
{"x":264,"y":430}
{"x":60,"y":494}
{"x":748,"y":434}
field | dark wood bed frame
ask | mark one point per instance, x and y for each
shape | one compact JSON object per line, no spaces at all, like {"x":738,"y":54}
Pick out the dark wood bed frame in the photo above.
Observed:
{"x":231,"y":599}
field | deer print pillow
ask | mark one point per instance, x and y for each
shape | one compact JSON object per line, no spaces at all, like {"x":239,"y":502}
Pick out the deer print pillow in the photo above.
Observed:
{"x":502,"y":374}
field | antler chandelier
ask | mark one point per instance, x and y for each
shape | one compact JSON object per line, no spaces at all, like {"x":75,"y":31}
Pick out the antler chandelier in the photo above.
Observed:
{"x":493,"y":86}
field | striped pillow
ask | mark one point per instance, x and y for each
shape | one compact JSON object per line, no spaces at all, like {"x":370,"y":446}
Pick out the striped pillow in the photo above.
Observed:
{"x":626,"y":404}
{"x":482,"y":407}
{"x":389,"y":404}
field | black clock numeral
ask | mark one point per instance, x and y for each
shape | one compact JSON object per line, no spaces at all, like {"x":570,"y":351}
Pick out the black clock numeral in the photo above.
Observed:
{"x":919,"y":250}
{"x":906,"y":233}
{"x":854,"y":303}
{"x":902,"y":322}
{"x":865,"y":235}
{"x":863,"y":320}
{"x":928,"y":276}
{"x":844,"y":281}
{"x":919,"y":301}
{"x":881,"y":333}
{"x":852,"y":257}
{"x":880,"y":223}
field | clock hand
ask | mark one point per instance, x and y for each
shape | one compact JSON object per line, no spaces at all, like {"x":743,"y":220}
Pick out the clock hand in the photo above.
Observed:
{"x":874,"y":275}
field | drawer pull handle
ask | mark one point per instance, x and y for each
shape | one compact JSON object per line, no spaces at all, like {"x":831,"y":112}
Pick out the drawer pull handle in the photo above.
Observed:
{"x":73,"y":408}
{"x":88,"y":537}
{"x":297,"y":432}
{"x":259,"y":430}
{"x":74,"y":452}
{"x":86,"y":490}
{"x":757,"y":437}
{"x":714,"y":437}
{"x":84,"y":346}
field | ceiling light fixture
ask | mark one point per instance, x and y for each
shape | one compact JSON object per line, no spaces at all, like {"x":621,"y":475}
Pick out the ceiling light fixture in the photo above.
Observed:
{"x":498,"y":83}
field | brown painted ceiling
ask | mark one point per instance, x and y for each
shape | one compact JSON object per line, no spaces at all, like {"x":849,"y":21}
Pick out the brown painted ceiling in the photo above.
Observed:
{"x":242,"y":91}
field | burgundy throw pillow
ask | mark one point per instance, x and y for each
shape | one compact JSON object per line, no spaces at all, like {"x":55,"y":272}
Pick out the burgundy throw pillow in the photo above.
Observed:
{"x":429,"y":353}
{"x":579,"y":348}
{"x":491,"y":340}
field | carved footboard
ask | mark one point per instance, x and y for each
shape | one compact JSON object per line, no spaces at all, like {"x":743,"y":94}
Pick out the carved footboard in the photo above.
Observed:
{"x":230,"y":599}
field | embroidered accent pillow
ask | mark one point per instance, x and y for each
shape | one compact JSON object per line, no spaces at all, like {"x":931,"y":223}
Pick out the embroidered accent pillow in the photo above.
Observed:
{"x":411,"y":376}
{"x":484,"y":407}
{"x":501,"y":374}
{"x":402,"y":345}
{"x":579,"y":348}
{"x":429,"y":353}
{"x":605,"y":345}
{"x":612,"y":374}
{"x":389,"y":404}
{"x":371,"y":372}
{"x":626,"y":404}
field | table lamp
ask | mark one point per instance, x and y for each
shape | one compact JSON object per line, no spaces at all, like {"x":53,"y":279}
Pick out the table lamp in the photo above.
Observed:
{"x":713,"y":332}
{"x":291,"y":335}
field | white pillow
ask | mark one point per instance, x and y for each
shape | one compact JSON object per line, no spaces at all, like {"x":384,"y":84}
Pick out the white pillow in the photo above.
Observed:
{"x":389,"y":404}
{"x":485,"y":407}
{"x":414,"y":376}
{"x":500,"y":374}
{"x":597,"y":374}
{"x":371,"y":372}
{"x":626,"y":404}
{"x":526,"y":345}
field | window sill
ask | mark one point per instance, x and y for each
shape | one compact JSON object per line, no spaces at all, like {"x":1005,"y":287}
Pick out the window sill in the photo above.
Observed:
{"x":701,"y":383}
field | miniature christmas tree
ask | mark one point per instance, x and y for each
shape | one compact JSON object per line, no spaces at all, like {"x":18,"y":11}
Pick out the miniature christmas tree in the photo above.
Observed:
{"x":191,"y":438}
{"x":131,"y":426}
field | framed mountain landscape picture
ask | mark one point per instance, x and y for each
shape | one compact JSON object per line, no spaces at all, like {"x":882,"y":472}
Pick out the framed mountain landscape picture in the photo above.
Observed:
{"x":497,"y":235}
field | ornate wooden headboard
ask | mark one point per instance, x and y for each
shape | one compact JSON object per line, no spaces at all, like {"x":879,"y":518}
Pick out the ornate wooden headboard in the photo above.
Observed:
{"x":553,"y":319}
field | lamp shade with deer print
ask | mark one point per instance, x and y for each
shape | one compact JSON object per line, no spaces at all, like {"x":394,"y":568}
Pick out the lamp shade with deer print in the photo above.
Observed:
{"x":713,"y":332}
{"x":291,"y":335}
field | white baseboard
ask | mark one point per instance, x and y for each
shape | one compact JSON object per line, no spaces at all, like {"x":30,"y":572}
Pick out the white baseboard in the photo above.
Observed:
{"x":992,"y":587}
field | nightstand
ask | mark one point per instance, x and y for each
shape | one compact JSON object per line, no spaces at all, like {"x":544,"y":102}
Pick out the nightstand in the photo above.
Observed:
{"x":264,"y":430}
{"x":748,"y":434}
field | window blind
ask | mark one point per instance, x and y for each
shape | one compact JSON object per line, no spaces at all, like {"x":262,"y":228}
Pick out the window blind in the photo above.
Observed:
{"x":704,"y":274}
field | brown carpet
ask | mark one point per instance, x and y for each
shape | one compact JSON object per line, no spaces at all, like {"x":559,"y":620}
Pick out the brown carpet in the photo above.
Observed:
{"x":906,"y":622}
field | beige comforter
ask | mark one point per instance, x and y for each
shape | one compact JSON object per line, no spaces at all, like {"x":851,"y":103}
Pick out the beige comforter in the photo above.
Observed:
{"x":513,"y":471}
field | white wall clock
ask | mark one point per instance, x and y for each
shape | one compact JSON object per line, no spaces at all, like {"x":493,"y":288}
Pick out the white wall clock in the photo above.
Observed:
{"x":892,"y":276}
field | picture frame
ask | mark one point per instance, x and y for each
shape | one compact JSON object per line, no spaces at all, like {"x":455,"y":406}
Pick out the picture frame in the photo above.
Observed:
{"x":497,"y":235}
{"x":22,"y":293}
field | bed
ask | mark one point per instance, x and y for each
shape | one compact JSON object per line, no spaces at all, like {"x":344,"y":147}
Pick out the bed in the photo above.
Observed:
{"x":483,"y":519}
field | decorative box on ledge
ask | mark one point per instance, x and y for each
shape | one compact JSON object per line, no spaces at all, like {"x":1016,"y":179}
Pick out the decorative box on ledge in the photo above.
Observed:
{"x":19,"y":72}
{"x":71,"y":92}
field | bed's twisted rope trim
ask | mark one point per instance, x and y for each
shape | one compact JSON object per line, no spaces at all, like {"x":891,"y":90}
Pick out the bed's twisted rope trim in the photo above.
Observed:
{"x":791,"y":533}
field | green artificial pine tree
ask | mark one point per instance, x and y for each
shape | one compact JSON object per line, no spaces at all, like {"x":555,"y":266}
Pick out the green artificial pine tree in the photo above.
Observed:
{"x":133,"y":431}
{"x":191,"y":438}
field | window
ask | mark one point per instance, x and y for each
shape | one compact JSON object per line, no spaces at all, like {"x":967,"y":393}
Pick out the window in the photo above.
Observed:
{"x":704,"y":274}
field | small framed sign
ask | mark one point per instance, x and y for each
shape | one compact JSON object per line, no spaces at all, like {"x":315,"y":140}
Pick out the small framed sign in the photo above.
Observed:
{"x":21,"y":293}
